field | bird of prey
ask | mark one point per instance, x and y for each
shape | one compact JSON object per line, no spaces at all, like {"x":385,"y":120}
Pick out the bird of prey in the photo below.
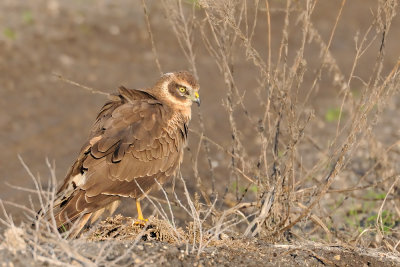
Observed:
{"x":136,"y":141}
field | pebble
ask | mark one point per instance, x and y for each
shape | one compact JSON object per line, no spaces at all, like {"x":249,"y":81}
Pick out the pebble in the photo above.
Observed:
{"x":337,"y":257}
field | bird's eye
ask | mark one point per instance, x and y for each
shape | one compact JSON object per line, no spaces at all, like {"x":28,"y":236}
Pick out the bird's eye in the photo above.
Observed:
{"x":182,"y":89}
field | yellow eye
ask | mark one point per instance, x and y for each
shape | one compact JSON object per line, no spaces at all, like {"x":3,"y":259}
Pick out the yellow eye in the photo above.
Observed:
{"x":182,"y":89}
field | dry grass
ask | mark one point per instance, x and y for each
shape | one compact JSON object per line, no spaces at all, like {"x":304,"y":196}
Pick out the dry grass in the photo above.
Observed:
{"x":281,"y":181}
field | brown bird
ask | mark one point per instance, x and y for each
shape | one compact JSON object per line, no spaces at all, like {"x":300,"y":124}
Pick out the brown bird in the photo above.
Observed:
{"x":137,"y":139}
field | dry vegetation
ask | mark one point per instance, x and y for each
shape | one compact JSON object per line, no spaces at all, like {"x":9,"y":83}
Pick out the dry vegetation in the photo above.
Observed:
{"x":280,"y":182}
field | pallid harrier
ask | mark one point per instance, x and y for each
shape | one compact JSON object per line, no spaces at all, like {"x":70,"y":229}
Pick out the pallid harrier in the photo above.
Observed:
{"x":137,"y":139}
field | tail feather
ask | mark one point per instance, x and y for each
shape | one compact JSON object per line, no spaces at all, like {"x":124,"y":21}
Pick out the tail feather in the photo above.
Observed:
{"x":74,"y":211}
{"x":70,"y":209}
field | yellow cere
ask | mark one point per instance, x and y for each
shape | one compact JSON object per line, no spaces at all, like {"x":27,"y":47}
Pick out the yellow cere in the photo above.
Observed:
{"x":196,"y":95}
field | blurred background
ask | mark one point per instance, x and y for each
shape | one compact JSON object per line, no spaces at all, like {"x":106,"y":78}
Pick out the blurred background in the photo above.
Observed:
{"x":104,"y":44}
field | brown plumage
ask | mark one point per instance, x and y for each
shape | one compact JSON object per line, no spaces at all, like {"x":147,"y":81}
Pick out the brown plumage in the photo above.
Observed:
{"x":137,"y":139}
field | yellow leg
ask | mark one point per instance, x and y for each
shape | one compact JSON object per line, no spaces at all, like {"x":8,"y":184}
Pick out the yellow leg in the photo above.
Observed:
{"x":139,"y":211}
{"x":140,"y":220}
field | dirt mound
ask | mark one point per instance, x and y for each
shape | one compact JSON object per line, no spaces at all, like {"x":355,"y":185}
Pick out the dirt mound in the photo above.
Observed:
{"x":127,"y":228}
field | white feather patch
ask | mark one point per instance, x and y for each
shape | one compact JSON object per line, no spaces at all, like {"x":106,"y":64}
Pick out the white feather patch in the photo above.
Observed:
{"x":79,"y":179}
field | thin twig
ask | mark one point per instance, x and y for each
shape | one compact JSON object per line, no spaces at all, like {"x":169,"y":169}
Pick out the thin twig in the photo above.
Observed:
{"x":93,"y":91}
{"x":149,"y":31}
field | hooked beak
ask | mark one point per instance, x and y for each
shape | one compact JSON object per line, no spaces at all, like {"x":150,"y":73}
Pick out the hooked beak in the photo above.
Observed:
{"x":196,"y":98}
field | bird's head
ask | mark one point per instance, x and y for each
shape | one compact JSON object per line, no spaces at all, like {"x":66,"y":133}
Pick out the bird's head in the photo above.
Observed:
{"x":179,"y":89}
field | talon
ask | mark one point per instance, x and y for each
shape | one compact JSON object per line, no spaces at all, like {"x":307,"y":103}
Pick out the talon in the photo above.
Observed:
{"x":141,"y":222}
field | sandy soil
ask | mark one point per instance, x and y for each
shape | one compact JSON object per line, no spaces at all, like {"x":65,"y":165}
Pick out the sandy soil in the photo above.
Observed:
{"x":118,"y":242}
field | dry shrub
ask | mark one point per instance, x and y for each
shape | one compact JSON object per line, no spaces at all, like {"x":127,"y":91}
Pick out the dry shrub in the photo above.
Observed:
{"x":293,"y":191}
